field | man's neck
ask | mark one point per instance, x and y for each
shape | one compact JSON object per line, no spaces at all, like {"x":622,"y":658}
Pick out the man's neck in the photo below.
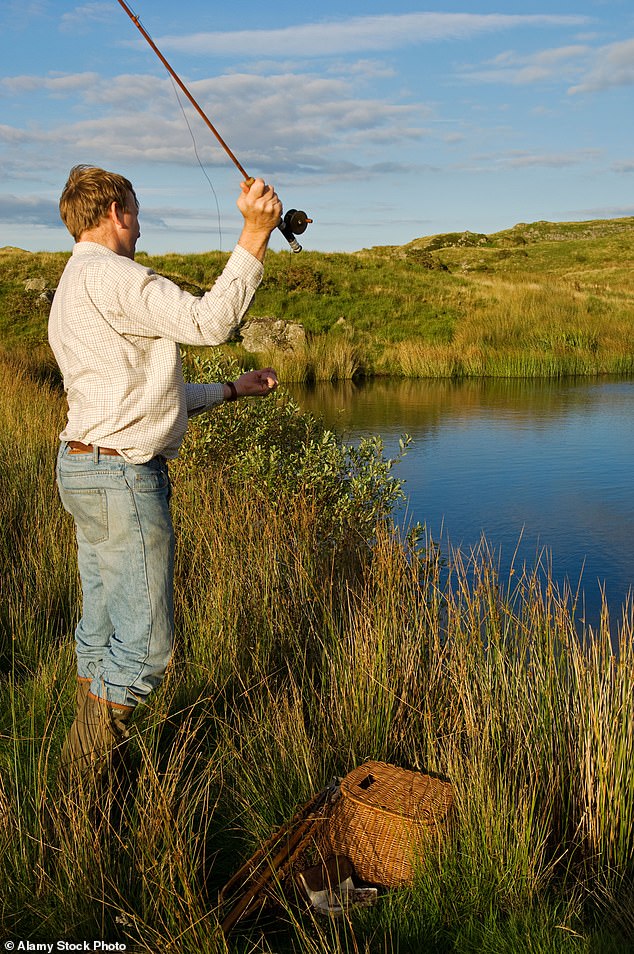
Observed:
{"x":105,"y":234}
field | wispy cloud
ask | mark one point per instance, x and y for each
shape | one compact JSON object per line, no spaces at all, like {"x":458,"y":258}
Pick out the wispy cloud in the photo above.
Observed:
{"x":602,"y":212}
{"x":43,"y":212}
{"x":523,"y":160}
{"x":85,"y":15}
{"x":358,"y":34}
{"x":19,"y":14}
{"x":10,"y":134}
{"x":32,"y":210}
{"x":563,"y":62}
{"x":59,"y":84}
{"x":518,"y":159}
{"x":583,"y":68}
{"x":612,"y":66}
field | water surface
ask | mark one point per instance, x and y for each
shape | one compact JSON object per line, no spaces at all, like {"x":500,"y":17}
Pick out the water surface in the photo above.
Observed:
{"x":542,"y":469}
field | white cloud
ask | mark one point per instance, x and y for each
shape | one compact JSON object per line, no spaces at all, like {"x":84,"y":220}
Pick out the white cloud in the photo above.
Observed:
{"x":364,"y":69}
{"x":9,"y":134}
{"x":586,"y":69}
{"x":357,"y":34}
{"x":303,"y":112}
{"x":613,"y":66}
{"x":127,"y":91}
{"x":57,"y":84}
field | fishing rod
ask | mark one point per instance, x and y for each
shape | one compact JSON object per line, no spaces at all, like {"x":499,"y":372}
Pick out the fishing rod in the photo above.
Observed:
{"x":294,"y":222}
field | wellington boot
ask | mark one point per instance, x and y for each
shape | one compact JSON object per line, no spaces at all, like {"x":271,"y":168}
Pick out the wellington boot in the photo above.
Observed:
{"x":83,"y":688}
{"x":94,"y":747}
{"x":70,"y":747}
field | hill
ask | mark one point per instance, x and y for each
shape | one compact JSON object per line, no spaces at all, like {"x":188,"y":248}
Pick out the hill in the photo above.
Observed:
{"x":568,"y":250}
{"x":539,"y":298}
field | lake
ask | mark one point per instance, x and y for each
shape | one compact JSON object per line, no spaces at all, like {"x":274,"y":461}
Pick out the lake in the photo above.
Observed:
{"x":541,"y":469}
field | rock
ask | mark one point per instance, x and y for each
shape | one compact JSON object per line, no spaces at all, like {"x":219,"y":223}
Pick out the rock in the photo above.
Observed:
{"x":35,"y":284}
{"x":272,"y":334}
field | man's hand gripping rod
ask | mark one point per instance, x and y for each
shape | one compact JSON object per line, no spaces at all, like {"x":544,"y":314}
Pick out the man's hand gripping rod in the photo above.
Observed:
{"x":294,"y":222}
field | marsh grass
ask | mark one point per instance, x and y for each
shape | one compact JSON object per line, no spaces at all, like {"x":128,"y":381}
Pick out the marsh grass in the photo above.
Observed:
{"x":522,"y":330}
{"x":293,"y":665}
{"x":330,"y":358}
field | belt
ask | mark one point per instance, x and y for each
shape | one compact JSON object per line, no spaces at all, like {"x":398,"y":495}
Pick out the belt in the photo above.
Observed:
{"x":76,"y":447}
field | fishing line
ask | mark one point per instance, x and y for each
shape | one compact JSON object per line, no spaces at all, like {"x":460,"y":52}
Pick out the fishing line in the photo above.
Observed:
{"x":203,"y":170}
{"x":193,"y":139}
{"x":294,"y":221}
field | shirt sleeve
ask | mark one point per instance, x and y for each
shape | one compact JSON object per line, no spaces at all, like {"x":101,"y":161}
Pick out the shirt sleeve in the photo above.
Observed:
{"x":202,"y":397}
{"x":142,"y":303}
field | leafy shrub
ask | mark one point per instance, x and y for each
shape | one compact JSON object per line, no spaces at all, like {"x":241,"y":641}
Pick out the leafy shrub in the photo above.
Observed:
{"x":279,"y":451}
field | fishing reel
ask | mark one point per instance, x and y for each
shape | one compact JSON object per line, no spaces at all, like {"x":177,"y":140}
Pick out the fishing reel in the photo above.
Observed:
{"x":292,"y":224}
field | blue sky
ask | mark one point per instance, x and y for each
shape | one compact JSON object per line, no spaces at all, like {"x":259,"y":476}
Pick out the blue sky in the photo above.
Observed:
{"x":384,"y":121}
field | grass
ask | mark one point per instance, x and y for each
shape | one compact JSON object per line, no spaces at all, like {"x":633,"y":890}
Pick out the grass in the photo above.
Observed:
{"x":538,"y":300}
{"x":294,"y":663}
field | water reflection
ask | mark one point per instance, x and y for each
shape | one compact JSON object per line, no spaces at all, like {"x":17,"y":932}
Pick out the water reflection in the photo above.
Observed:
{"x":531,"y":465}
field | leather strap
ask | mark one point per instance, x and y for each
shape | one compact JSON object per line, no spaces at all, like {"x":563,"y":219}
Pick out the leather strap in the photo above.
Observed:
{"x":76,"y":447}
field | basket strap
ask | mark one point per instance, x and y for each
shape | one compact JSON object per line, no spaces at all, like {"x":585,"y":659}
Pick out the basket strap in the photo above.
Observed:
{"x":261,"y":868}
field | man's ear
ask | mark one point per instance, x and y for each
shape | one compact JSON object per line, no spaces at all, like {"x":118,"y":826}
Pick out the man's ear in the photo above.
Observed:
{"x":115,"y":214}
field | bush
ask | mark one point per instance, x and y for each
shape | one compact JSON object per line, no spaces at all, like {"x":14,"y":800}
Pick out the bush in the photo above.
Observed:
{"x":282,"y":452}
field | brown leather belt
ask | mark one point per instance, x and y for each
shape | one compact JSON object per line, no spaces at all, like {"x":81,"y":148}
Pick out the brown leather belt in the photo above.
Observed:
{"x":76,"y":447}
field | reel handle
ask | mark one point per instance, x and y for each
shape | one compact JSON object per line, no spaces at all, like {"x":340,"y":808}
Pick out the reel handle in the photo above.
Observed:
{"x":294,"y":223}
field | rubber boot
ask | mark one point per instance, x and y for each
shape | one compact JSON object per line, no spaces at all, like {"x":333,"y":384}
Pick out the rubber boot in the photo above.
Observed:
{"x":94,"y":749}
{"x":70,"y":743}
{"x":83,"y":687}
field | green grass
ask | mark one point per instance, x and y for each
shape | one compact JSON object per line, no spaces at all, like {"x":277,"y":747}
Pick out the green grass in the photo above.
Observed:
{"x":299,"y":654}
{"x":546,"y":299}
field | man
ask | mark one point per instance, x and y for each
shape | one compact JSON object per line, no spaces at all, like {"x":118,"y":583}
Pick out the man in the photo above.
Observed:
{"x":114,"y":328}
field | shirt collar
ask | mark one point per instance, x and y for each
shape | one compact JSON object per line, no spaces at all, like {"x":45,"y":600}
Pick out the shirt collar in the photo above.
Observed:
{"x":93,"y":248}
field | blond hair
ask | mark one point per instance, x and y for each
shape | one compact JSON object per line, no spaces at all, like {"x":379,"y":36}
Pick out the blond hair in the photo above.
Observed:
{"x":88,"y":195}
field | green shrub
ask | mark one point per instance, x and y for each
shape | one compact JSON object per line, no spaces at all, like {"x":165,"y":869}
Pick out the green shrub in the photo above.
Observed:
{"x":281,"y":452}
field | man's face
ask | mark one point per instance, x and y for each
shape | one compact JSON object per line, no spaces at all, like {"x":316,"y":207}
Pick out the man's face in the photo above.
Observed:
{"x":131,"y":220}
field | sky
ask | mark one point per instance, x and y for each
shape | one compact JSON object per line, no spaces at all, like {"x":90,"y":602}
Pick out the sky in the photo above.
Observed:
{"x":382,"y":121}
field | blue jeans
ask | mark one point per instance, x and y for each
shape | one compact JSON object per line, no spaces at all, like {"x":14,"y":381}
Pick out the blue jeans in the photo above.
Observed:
{"x":125,"y":552}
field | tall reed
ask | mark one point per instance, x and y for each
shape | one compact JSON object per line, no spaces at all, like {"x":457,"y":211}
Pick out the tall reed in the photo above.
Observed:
{"x":323,"y":358}
{"x":293,"y":665}
{"x":522,"y":330}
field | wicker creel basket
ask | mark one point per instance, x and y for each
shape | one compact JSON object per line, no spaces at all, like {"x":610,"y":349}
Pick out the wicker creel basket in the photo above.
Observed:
{"x":382,"y":817}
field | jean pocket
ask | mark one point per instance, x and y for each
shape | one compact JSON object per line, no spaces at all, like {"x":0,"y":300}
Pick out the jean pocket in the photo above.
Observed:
{"x":150,"y":480}
{"x":89,"y":509}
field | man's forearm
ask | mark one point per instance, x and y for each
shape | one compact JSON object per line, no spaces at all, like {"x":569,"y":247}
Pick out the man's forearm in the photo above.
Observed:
{"x":255,"y":241}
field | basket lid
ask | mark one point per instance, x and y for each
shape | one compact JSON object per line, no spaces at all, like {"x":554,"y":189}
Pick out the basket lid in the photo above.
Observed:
{"x":399,"y":792}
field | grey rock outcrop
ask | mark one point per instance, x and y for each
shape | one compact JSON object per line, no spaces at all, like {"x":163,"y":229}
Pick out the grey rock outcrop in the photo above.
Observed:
{"x":272,"y":334}
{"x":35,"y":285}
